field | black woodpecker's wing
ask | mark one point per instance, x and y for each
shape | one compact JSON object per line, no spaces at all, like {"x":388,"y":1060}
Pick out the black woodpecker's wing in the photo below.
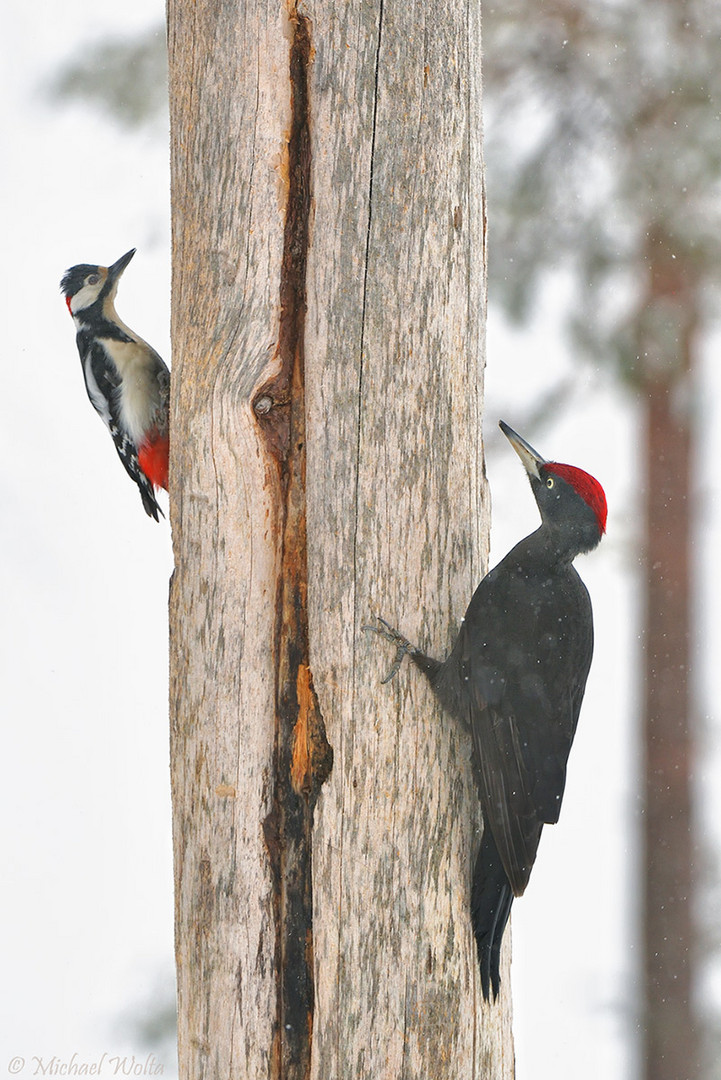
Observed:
{"x":102,"y":383}
{"x":502,"y":772}
{"x":523,"y":655}
{"x":547,"y":702}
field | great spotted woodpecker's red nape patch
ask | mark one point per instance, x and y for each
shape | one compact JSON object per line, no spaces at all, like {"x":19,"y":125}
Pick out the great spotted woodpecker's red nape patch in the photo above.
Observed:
{"x":587,"y":487}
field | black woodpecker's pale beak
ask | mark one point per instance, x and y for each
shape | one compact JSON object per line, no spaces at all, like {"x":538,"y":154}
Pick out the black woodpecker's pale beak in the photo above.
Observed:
{"x":530,"y":458}
{"x":117,"y":268}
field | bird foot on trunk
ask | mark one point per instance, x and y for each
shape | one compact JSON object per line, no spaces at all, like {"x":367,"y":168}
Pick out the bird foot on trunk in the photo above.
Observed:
{"x":403,"y":645}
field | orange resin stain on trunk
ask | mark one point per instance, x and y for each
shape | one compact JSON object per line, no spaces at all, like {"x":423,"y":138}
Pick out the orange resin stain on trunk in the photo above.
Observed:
{"x":312,"y":755}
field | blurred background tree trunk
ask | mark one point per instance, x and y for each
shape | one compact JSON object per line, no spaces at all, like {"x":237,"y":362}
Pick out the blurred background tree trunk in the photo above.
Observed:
{"x":328,"y":331}
{"x":668,"y":350}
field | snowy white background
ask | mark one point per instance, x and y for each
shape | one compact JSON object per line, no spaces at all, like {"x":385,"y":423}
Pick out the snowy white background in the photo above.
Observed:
{"x":86,"y":930}
{"x":86,"y":927}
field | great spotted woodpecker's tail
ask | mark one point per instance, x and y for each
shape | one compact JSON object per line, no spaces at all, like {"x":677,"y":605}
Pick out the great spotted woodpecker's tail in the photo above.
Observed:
{"x":491,"y":899}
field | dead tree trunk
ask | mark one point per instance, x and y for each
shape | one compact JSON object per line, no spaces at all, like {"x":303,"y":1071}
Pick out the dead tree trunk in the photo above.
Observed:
{"x":328,"y":321}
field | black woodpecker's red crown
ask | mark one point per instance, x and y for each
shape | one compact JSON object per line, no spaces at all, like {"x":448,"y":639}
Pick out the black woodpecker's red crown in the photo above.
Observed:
{"x":585,"y":485}
{"x":541,"y":473}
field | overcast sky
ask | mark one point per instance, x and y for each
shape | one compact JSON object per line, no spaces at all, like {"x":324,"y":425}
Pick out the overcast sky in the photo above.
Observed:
{"x":87,"y":898}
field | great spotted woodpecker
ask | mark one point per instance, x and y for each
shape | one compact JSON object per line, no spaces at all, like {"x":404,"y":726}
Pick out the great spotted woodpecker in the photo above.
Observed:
{"x":127,"y":382}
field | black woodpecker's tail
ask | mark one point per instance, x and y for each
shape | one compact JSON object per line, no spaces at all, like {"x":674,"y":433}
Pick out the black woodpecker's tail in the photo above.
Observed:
{"x":491,"y":899}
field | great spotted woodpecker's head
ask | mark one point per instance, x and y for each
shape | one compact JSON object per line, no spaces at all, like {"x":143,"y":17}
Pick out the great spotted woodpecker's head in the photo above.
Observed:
{"x":572,"y":502}
{"x":85,"y":285}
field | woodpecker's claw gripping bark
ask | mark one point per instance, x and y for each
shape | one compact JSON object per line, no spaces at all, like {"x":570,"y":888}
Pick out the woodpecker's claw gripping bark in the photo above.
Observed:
{"x":403,"y":645}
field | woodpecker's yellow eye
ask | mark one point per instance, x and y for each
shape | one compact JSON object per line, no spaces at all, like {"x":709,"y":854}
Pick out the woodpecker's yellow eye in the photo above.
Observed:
{"x":92,"y":279}
{"x":550,"y":482}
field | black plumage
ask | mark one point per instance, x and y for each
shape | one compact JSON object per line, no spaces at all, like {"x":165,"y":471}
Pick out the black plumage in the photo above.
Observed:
{"x":516,"y":677}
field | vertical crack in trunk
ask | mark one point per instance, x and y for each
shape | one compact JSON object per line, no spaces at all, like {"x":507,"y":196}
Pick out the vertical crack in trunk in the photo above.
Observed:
{"x":303,"y":757}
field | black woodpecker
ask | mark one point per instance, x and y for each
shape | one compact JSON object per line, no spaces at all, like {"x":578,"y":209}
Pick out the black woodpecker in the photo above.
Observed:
{"x":516,"y":677}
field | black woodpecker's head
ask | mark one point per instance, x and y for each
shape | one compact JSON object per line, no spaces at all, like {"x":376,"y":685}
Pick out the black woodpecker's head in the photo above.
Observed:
{"x":572,"y":502}
{"x":84,"y":285}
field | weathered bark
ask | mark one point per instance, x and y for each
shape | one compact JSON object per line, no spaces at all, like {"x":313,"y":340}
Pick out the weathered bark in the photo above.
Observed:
{"x":230,"y":114}
{"x":327,"y":381}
